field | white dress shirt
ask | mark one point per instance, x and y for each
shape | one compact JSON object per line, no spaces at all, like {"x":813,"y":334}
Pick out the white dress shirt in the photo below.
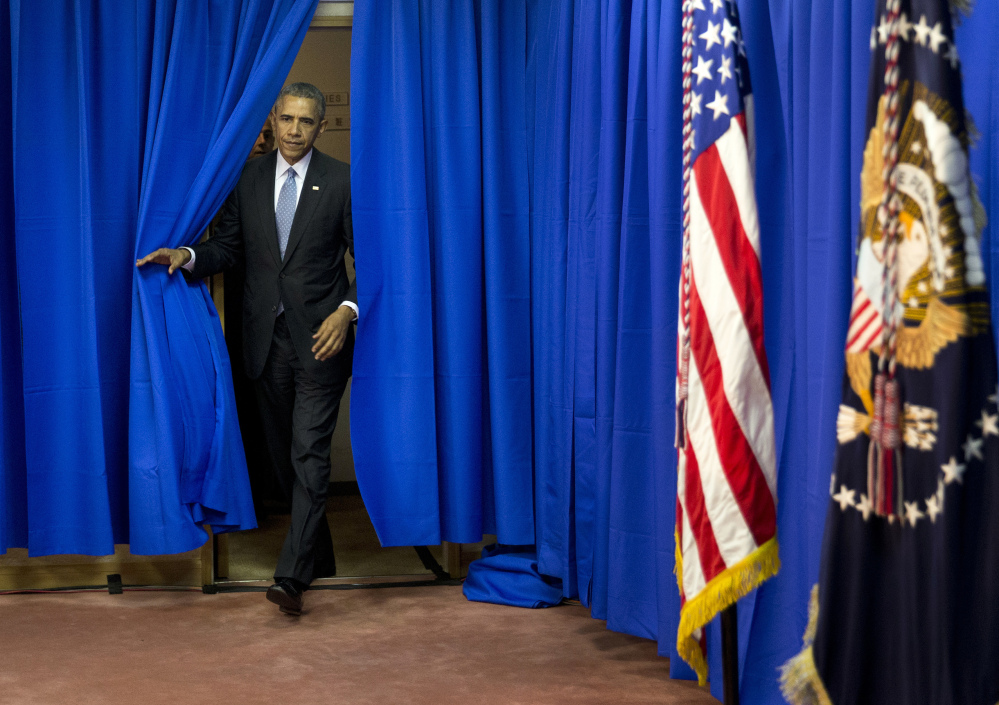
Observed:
{"x":301,"y":167}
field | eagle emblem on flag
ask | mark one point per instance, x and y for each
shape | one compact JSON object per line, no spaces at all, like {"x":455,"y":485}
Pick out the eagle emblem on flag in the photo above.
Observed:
{"x":938,"y":252}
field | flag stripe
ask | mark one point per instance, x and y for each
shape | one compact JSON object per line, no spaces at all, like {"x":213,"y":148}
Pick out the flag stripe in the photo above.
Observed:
{"x":874,"y":332}
{"x":732,"y":152}
{"x":741,"y":469}
{"x":862,"y":326}
{"x":738,"y":255}
{"x":864,"y":306}
{"x":693,"y":576}
{"x":746,"y":387}
{"x":740,"y":119}
{"x":711,"y":562}
{"x":864,"y":317}
{"x":734,"y":538}
{"x":865,"y":322}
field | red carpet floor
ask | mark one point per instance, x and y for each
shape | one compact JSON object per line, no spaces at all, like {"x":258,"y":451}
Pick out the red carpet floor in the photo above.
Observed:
{"x":379,"y":646}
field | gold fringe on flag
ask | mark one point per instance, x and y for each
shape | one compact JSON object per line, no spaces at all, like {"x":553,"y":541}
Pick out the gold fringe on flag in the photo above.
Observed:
{"x":800,"y":682}
{"x":678,"y":562}
{"x":961,"y":7}
{"x":725,"y":589}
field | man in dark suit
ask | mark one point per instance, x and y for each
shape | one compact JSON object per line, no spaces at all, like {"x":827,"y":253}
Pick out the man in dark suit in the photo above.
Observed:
{"x":289,"y":220}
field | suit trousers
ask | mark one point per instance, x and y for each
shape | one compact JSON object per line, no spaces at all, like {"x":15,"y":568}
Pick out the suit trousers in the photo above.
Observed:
{"x":299,"y":416}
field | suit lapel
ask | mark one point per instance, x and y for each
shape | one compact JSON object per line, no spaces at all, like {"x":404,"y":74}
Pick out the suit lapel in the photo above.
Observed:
{"x":307,"y":202}
{"x":264,"y":189}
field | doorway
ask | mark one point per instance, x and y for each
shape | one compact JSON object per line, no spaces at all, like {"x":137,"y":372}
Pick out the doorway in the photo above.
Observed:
{"x":250,"y":556}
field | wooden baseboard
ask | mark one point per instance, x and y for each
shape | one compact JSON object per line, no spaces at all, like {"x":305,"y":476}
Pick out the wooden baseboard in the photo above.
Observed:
{"x":19,"y":572}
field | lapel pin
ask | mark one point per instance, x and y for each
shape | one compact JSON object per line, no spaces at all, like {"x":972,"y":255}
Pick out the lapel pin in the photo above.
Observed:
{"x":315,"y":188}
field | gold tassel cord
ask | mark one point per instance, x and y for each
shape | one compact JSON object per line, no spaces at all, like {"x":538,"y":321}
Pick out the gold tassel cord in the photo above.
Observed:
{"x":724,"y":589}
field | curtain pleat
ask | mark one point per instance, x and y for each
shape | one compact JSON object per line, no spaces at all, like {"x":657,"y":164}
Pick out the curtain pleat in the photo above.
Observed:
{"x":13,"y":471}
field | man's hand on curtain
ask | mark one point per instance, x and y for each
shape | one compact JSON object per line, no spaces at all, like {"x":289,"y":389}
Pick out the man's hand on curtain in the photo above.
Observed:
{"x":332,"y":333}
{"x":175,"y":259}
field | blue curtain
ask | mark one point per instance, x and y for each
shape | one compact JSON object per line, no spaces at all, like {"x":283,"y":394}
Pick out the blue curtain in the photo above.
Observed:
{"x":809,"y":69}
{"x":600,"y":107}
{"x":129,"y":432}
{"x":596,"y":380}
{"x":977,"y":38}
{"x":442,"y":369}
{"x":606,"y":259}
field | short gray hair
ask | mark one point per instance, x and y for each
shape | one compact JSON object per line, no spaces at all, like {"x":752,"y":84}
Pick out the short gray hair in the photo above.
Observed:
{"x":303,"y":90}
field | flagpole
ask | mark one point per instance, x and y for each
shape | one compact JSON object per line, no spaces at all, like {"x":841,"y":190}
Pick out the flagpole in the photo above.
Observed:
{"x":730,"y":654}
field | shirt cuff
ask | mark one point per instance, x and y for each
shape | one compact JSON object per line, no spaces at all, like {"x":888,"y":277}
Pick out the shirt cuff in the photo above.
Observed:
{"x":353,"y":307}
{"x":190,"y":263}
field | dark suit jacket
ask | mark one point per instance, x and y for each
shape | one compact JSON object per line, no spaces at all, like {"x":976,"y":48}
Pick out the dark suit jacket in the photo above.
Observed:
{"x":311,"y":280}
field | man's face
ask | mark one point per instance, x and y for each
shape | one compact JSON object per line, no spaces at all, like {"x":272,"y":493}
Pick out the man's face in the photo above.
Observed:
{"x":265,"y":141}
{"x":297,"y":123}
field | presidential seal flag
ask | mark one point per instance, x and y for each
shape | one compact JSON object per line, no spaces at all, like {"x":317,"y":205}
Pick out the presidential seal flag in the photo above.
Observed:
{"x":726,"y":530}
{"x":907,"y":606}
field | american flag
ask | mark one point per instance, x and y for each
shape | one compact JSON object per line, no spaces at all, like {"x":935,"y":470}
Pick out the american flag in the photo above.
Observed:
{"x":726,"y":516}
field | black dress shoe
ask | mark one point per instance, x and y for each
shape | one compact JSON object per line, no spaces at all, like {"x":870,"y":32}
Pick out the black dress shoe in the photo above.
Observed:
{"x":287,"y":596}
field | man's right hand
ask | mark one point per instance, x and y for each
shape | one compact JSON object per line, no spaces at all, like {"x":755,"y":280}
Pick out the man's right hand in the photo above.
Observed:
{"x":175,"y":259}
